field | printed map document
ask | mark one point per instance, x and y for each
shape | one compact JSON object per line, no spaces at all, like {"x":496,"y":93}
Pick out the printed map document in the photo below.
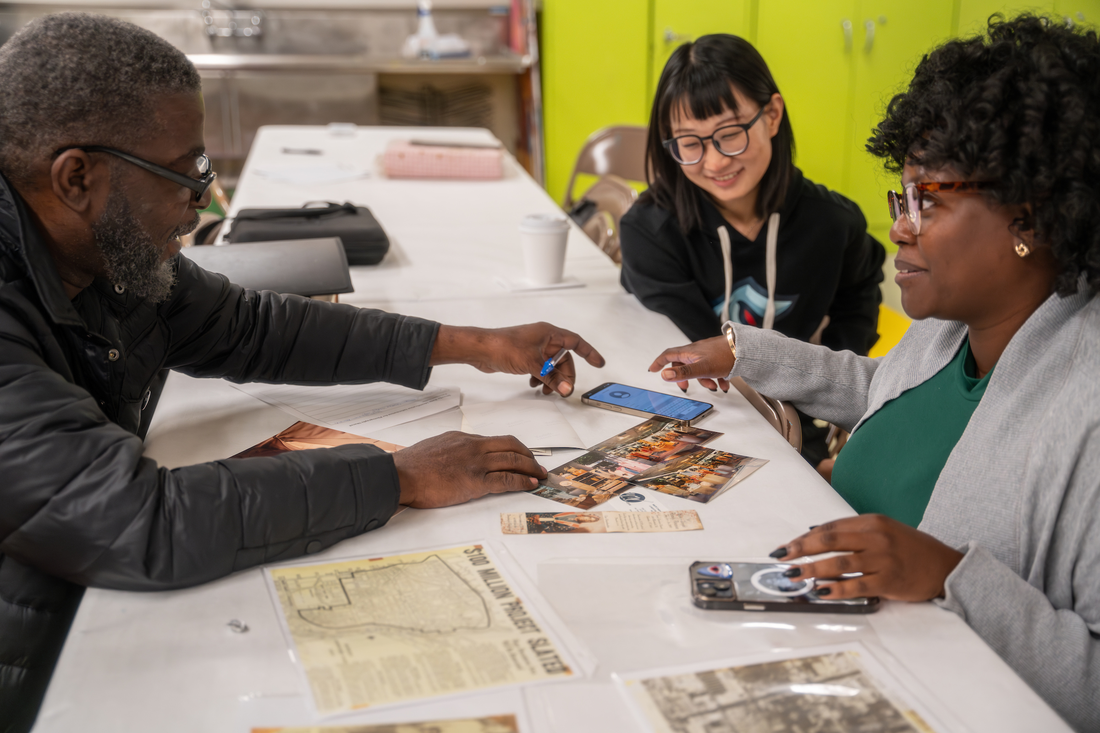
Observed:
{"x":355,"y":408}
{"x":375,"y":631}
{"x":599,"y":522}
{"x":493,"y":724}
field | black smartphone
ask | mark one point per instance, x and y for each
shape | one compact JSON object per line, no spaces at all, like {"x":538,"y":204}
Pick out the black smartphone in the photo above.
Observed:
{"x":742,"y":586}
{"x":645,"y":403}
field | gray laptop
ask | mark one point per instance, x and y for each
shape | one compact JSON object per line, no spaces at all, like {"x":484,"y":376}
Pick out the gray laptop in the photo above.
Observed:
{"x":297,"y":266}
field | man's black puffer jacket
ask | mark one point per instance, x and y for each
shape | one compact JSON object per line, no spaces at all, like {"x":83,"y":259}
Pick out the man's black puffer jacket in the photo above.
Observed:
{"x":80,"y":506}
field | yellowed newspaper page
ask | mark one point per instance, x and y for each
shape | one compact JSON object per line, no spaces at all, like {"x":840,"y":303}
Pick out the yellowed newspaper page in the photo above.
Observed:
{"x":492,"y":724}
{"x":599,"y":522}
{"x":389,"y":629}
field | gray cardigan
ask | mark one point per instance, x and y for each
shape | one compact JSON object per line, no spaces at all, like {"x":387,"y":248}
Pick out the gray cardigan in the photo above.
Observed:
{"x":1020,"y":492}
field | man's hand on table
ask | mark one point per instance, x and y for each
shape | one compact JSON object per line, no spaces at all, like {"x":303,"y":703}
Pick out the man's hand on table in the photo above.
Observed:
{"x":897,"y":561}
{"x":516,"y":350}
{"x":707,"y":360}
{"x":454,"y":467}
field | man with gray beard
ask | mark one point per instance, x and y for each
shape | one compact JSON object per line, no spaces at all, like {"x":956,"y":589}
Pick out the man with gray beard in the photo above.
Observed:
{"x":130,"y":258}
{"x":103,"y":168}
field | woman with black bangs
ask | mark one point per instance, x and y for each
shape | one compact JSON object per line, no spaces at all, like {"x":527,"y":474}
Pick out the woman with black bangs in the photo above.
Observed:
{"x":974,"y":459}
{"x":730,"y":229}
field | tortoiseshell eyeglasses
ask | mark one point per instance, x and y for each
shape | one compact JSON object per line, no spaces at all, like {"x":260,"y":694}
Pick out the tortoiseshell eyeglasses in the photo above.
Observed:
{"x":908,"y":204}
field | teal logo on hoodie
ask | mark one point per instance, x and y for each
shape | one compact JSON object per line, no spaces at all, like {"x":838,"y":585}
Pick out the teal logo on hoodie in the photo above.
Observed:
{"x":748,"y":302}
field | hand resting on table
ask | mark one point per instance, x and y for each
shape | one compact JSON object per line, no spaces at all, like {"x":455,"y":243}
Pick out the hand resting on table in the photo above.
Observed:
{"x":897,"y":561}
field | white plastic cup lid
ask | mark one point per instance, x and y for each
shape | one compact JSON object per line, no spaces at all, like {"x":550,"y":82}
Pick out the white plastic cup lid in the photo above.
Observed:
{"x":544,"y":223}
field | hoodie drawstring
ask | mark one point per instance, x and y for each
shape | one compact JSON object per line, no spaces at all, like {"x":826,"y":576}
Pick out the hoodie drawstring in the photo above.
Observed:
{"x":769,"y":269}
{"x":773,"y":242}
{"x":727,"y":266}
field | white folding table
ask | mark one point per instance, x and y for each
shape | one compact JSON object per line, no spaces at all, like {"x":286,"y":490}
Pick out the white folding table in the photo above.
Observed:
{"x":167,"y":661}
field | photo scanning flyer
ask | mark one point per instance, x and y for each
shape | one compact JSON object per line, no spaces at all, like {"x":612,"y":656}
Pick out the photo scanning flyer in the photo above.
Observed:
{"x":493,"y":724}
{"x":376,"y":631}
{"x":841,"y":689}
{"x":599,"y":522}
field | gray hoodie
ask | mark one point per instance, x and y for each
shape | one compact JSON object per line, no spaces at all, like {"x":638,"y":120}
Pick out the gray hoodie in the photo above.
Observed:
{"x":1020,"y":492}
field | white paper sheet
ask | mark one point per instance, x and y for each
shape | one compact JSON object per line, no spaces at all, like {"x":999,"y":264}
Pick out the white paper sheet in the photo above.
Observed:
{"x":313,"y":175}
{"x":361,"y":409}
{"x":536,"y":423}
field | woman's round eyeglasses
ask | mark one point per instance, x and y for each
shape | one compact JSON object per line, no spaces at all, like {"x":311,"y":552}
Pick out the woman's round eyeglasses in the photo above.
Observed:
{"x":729,"y":140}
{"x":908,"y":203}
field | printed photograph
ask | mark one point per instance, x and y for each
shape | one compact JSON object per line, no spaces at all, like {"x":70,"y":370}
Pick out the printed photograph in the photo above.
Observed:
{"x":585,"y":482}
{"x":306,"y":436}
{"x":654,"y":442}
{"x":566,"y":523}
{"x":829,"y":693}
{"x":700,"y":474}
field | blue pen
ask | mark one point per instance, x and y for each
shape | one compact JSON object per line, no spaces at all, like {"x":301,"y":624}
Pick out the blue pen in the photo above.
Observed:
{"x":552,"y":362}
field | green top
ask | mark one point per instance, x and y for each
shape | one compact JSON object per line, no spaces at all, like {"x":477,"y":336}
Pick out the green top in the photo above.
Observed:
{"x":891,"y":464}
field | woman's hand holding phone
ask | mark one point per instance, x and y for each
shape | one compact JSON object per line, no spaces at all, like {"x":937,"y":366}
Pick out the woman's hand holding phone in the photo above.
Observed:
{"x":710,"y":361}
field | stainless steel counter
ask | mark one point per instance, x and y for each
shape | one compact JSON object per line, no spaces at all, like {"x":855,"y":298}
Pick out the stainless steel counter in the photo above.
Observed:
{"x":349,"y":64}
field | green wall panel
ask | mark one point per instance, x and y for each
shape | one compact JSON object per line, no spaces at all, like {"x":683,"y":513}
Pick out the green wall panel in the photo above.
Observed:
{"x":891,"y":40}
{"x":805,"y":45}
{"x":594,"y":74}
{"x":676,"y":21}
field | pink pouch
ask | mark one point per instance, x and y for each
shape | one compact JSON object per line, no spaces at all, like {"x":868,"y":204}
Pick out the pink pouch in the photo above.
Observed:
{"x":406,"y":160}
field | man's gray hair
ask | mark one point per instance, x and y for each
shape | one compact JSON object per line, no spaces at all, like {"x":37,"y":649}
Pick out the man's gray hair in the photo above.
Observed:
{"x":80,"y":79}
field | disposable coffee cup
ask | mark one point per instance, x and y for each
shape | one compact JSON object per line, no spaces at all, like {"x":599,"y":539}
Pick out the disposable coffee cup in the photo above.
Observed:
{"x":543,"y":238}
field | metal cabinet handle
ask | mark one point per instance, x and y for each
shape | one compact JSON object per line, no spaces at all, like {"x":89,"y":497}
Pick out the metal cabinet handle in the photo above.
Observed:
{"x":870,"y":42}
{"x":847,"y":26}
{"x":672,"y":36}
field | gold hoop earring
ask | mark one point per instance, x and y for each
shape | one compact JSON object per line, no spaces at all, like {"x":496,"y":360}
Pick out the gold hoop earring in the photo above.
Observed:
{"x":1022,"y":249}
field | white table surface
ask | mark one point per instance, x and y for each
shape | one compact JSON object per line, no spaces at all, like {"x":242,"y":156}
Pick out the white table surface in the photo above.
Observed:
{"x":167,"y":661}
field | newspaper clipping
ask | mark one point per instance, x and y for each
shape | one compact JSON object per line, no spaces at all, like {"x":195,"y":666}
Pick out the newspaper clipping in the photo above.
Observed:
{"x":492,"y":724}
{"x":826,"y":693}
{"x":384,"y":630}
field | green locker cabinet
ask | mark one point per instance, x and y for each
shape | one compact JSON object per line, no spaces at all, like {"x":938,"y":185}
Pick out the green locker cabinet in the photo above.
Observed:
{"x":1079,"y":12}
{"x":808,"y":45}
{"x":891,"y":40}
{"x":676,"y":21}
{"x":974,"y":14}
{"x":837,"y":64}
{"x":594,"y":59}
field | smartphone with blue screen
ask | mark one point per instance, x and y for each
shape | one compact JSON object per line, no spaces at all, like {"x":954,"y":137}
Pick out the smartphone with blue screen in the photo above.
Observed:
{"x":644,"y":403}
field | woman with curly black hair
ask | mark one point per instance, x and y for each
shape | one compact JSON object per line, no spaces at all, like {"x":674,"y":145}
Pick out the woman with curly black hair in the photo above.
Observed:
{"x":974,"y":460}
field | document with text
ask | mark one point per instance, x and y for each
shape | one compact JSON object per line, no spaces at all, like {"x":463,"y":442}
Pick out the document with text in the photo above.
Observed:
{"x":355,"y":408}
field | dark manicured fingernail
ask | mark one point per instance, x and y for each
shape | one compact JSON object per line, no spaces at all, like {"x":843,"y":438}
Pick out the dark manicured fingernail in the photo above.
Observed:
{"x":823,"y":591}
{"x":684,"y":389}
{"x":712,"y":390}
{"x":792,"y":572}
{"x":814,"y":526}
{"x":778,"y":553}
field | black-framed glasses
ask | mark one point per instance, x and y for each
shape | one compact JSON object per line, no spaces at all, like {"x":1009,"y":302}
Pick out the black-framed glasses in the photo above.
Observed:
{"x":908,"y":204}
{"x":729,"y":140}
{"x":198,"y":185}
